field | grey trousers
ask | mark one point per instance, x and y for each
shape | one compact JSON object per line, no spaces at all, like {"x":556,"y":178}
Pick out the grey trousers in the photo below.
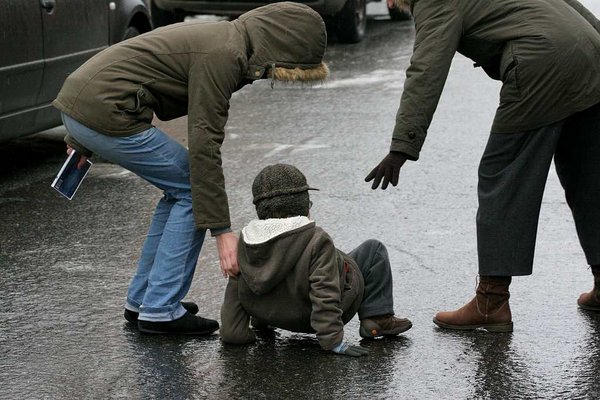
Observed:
{"x":512,"y":177}
{"x":374,"y":264}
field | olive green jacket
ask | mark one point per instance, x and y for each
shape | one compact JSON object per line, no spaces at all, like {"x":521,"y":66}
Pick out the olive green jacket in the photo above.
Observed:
{"x":192,"y":69}
{"x":292,"y":277}
{"x":546,"y":53}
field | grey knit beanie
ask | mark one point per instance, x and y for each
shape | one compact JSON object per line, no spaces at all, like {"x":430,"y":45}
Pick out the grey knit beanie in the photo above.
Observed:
{"x":280,"y":191}
{"x":278,"y":180}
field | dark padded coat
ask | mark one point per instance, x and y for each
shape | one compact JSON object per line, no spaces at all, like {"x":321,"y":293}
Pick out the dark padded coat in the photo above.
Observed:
{"x":546,"y":53}
{"x":193,"y":68}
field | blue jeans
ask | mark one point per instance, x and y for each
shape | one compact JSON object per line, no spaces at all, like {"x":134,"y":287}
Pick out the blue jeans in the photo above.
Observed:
{"x":170,"y":252}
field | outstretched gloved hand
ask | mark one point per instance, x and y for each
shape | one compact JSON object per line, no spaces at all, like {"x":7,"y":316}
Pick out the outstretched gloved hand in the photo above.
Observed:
{"x":388,"y":170}
{"x":348,"y":350}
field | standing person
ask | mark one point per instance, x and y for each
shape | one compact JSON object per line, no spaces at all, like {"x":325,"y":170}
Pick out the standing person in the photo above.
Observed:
{"x":547,"y":55}
{"x":293,"y":277}
{"x":191,"y":69}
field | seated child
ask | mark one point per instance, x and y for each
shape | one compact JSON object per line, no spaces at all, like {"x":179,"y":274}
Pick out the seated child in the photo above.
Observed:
{"x":292,"y":276}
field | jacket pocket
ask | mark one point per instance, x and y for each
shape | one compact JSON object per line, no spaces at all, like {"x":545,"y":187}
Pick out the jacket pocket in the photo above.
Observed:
{"x":346,"y":285}
{"x":509,"y":74}
{"x":143,"y":98}
{"x":352,"y":290}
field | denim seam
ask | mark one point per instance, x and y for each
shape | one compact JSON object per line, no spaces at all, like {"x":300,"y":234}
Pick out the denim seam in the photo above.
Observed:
{"x":159,"y":153}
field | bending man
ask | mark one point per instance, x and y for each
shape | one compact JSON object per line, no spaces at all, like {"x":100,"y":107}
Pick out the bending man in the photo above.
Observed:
{"x":547,"y":55}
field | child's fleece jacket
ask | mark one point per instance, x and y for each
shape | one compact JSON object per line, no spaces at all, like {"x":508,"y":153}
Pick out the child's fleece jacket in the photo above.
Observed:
{"x":292,"y":277}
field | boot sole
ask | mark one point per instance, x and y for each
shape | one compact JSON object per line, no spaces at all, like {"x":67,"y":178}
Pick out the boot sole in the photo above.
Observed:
{"x":194,"y":333}
{"x":192,"y":308}
{"x":393,"y":332}
{"x":588,"y":308}
{"x":502,"y":327}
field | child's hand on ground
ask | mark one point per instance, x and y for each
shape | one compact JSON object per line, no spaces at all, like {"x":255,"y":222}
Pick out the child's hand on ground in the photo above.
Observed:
{"x":349,"y":350}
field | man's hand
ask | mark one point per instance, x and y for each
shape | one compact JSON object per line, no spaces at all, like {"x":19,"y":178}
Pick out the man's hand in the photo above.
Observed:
{"x":388,"y":170}
{"x":349,"y":350}
{"x":82,"y":158}
{"x":227,"y":244}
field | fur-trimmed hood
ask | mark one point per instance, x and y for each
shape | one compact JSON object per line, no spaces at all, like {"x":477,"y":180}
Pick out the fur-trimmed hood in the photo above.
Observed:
{"x":404,"y":4}
{"x":286,"y":42}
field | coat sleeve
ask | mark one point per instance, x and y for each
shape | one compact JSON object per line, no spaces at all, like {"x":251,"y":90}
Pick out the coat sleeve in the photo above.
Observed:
{"x":235,"y":321}
{"x":438,"y":33}
{"x":212,"y":81}
{"x":81,"y":149}
{"x":585,"y":13}
{"x":325,"y":295}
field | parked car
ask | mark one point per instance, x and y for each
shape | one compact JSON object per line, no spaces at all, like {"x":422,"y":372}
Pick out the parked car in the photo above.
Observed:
{"x":348,"y":18}
{"x":43,"y":41}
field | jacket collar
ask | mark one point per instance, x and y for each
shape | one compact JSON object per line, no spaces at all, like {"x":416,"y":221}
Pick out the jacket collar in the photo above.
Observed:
{"x":262,"y":230}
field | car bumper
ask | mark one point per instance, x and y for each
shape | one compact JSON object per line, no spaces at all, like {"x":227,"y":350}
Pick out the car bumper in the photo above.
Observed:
{"x":236,"y":8}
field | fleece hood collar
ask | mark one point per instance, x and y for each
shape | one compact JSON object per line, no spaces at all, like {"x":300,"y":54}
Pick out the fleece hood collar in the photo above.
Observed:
{"x":287,"y":42}
{"x":269,"y":249}
{"x":262,"y":230}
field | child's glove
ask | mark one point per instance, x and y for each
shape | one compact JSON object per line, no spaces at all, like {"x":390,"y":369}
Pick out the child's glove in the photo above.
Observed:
{"x":349,"y":350}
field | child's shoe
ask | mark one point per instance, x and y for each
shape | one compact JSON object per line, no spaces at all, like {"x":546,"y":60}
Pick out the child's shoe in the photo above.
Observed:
{"x":383,"y":325}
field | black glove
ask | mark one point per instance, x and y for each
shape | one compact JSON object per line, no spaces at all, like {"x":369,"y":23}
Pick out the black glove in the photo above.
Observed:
{"x":388,"y":169}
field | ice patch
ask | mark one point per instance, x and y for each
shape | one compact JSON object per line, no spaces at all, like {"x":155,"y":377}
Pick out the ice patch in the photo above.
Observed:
{"x":109,"y":171}
{"x":4,"y":200}
{"x":278,"y":148}
{"x":117,"y":174}
{"x":73,"y":266}
{"x":392,"y":79}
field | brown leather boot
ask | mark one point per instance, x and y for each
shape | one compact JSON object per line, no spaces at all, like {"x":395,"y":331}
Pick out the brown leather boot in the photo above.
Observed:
{"x":591,"y":300}
{"x":489,"y":308}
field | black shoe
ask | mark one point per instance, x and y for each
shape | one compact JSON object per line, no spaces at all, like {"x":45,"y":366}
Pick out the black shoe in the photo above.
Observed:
{"x":132,"y":316}
{"x":189,"y":324}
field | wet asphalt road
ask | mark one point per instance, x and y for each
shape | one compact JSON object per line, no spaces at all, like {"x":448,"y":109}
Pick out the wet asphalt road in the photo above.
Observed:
{"x":66,"y":265}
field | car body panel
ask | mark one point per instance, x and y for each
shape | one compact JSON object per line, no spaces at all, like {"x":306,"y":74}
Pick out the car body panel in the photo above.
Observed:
{"x":87,"y":20}
{"x":43,"y":42}
{"x":21,"y":67}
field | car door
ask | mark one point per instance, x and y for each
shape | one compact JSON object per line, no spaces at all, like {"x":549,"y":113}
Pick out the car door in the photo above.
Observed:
{"x":21,"y":61}
{"x":74,"y":30}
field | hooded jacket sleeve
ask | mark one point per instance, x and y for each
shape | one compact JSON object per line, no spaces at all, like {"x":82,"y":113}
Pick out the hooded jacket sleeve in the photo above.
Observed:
{"x":70,"y":140}
{"x":438,"y":33}
{"x":212,"y":81}
{"x":325,"y":295}
{"x":585,"y":13}
{"x":235,"y":321}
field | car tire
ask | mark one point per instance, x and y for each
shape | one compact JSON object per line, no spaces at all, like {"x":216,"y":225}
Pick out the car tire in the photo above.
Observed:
{"x":351,"y":21}
{"x":162,"y":17}
{"x":398,"y":14}
{"x":130,"y":32}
